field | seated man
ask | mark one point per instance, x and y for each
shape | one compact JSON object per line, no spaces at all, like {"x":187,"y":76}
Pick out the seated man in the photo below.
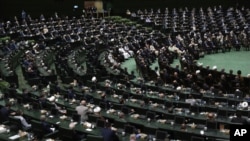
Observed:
{"x":19,"y":115}
{"x":239,"y":119}
{"x":46,"y":126}
{"x":77,"y":136}
{"x":5,"y":113}
{"x":132,"y":137}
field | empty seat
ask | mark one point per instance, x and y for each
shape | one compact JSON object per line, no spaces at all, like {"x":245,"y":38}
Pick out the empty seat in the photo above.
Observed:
{"x":179,"y":120}
{"x":161,"y":135}
{"x":196,"y":138}
{"x":151,"y":115}
{"x":129,"y":129}
{"x":94,"y":138}
{"x":211,"y":124}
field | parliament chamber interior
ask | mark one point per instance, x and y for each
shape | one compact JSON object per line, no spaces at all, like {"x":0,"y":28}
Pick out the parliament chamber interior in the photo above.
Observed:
{"x":102,"y":70}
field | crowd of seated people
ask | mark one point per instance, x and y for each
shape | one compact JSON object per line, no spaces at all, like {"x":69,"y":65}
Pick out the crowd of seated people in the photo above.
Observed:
{"x":130,"y":110}
{"x":211,"y":30}
{"x":178,"y":43}
{"x":75,"y":60}
{"x":191,"y":34}
{"x":145,"y":96}
{"x":62,"y":35}
{"x":7,"y":57}
{"x":65,"y":32}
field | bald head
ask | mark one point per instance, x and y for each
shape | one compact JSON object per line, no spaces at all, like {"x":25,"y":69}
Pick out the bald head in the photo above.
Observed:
{"x":83,"y":102}
{"x":43,"y":117}
{"x":132,"y":137}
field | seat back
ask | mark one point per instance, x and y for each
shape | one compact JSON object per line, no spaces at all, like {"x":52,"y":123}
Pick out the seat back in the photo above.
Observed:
{"x":211,"y":124}
{"x":179,"y":120}
{"x":129,"y":129}
{"x":100,"y":123}
{"x":2,"y":117}
{"x":221,"y":139}
{"x":92,"y":118}
{"x":66,"y":134}
{"x":94,"y":138}
{"x":71,"y":111}
{"x":194,"y":109}
{"x":146,"y":100}
{"x":150,"y":115}
{"x":36,"y":105}
{"x":211,"y":109}
{"x":149,"y":130}
{"x":161,"y":135}
{"x":222,"y":113}
{"x":119,"y":123}
{"x":37,"y":129}
{"x":76,"y":118}
{"x":103,"y":105}
{"x":198,"y":121}
{"x":54,"y":112}
{"x":15,"y":123}
{"x":183,"y":105}
{"x":117,"y":106}
{"x":125,"y":110}
{"x":168,"y":104}
{"x":196,"y":138}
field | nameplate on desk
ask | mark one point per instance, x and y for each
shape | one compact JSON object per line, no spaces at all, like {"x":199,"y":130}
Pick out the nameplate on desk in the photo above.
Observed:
{"x":239,"y":132}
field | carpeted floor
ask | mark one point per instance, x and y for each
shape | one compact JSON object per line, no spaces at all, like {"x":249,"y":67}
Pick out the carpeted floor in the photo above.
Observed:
{"x":131,"y":66}
{"x":234,"y":60}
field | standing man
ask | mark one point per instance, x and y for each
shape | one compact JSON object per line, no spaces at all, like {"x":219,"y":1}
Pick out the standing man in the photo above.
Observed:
{"x":23,"y":15}
{"x":109,"y":134}
{"x":82,"y":110}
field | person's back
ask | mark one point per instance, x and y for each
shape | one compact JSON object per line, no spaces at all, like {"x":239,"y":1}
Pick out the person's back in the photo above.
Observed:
{"x":4,"y":113}
{"x":82,"y":110}
{"x":108,"y":134}
{"x":19,"y":115}
{"x":239,"y":119}
{"x":46,"y":126}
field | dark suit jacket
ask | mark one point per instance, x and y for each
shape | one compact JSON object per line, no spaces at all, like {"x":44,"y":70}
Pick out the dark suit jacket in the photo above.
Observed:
{"x":46,"y":127}
{"x":4,"y":114}
{"x":109,"y":135}
{"x":239,"y":120}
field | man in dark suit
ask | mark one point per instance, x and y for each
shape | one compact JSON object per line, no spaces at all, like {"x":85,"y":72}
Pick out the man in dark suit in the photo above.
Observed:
{"x":71,"y":94}
{"x":239,"y":119}
{"x":5,"y":113}
{"x":108,"y":134}
{"x":46,"y":126}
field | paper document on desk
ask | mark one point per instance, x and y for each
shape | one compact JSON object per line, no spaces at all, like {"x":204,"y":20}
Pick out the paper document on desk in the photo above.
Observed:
{"x":14,"y":137}
{"x":2,"y":129}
